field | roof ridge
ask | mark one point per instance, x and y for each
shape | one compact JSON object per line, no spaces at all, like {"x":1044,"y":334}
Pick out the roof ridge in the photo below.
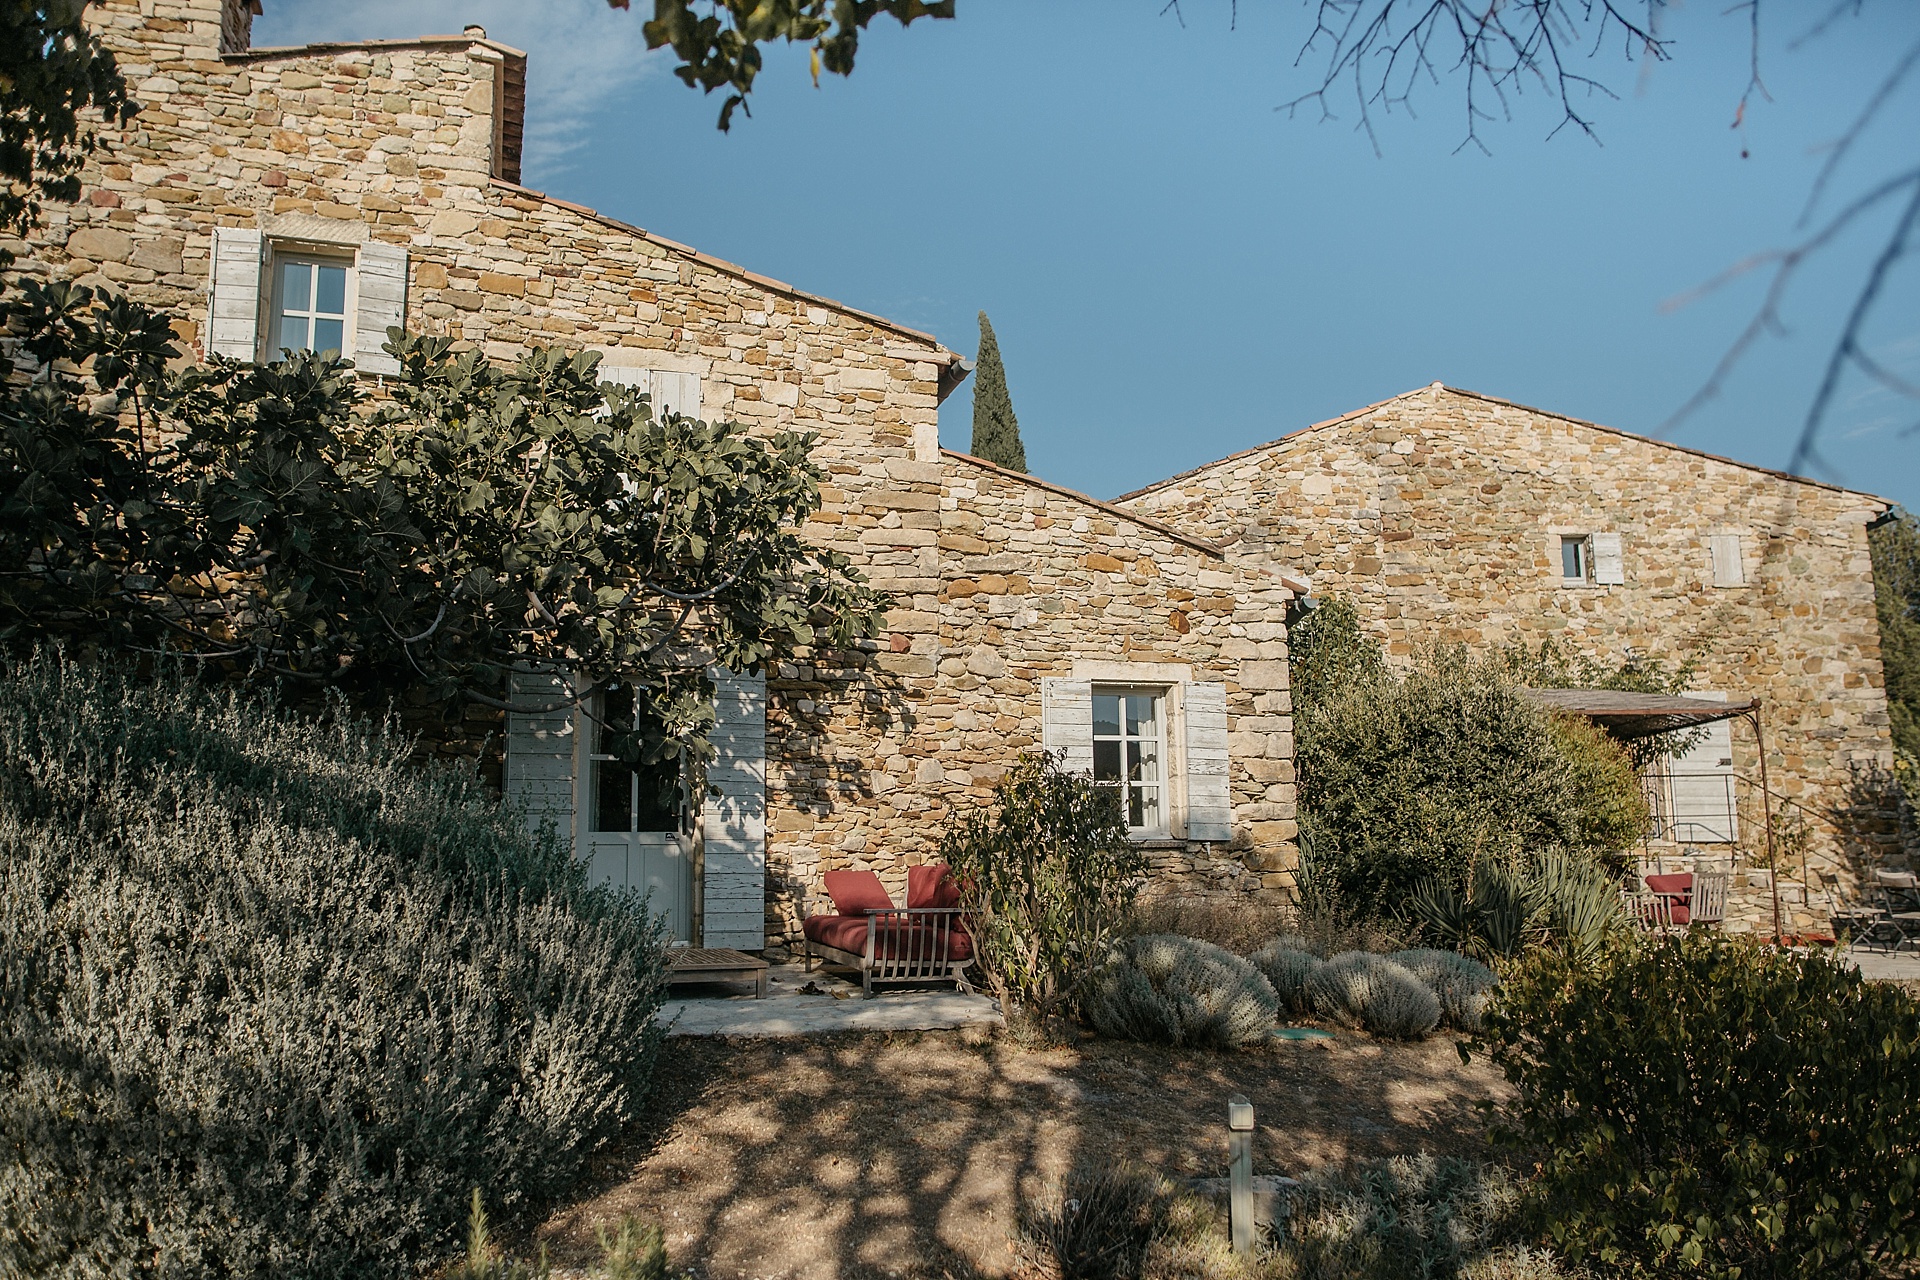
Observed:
{"x":731,"y":268}
{"x":1510,"y":404}
{"x":1291,"y":582}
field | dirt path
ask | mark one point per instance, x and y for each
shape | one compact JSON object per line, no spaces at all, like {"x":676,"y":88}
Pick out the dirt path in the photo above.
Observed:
{"x":905,"y":1155}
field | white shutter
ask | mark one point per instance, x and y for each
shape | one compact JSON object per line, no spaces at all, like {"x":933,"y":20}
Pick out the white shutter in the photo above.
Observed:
{"x":233,"y":285}
{"x":1209,"y":804}
{"x":676,"y":393}
{"x":380,"y":278}
{"x":668,"y":392}
{"x":1066,"y":722}
{"x":1702,"y":787}
{"x":540,"y":749}
{"x":1729,"y":568}
{"x":733,"y":822}
{"x":1609,"y":562}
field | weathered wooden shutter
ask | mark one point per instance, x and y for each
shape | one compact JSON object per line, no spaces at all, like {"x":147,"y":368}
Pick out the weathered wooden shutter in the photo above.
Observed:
{"x":669,"y":392}
{"x":733,"y":822}
{"x":1609,"y":561}
{"x":540,"y":763}
{"x":676,"y":393}
{"x":1702,"y":787}
{"x":1066,"y":722}
{"x":1209,"y":803}
{"x":233,"y":284}
{"x":380,"y":277}
{"x":1729,"y":568}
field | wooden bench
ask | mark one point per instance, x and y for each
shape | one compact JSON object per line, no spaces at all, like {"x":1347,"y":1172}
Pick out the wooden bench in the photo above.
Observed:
{"x":716,"y":964}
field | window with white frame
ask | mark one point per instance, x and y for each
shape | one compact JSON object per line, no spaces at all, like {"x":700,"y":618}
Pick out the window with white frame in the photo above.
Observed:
{"x":309,"y":307}
{"x":1130,"y":753}
{"x":628,"y":797}
{"x":1576,"y":558}
{"x":318,"y":287}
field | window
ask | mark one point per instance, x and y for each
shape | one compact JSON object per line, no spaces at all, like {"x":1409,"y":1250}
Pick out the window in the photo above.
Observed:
{"x":626,"y":797}
{"x":309,"y":305}
{"x":1129,"y":753}
{"x":1576,"y":557}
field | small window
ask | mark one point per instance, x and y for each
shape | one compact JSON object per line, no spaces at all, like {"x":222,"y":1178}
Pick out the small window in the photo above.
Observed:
{"x":309,"y":305}
{"x":626,"y":797}
{"x":1129,"y":754}
{"x":1576,"y":557}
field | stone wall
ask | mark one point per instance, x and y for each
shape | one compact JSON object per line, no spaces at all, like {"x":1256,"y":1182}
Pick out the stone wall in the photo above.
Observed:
{"x":395,"y":141}
{"x":1438,"y":513}
{"x":1003,"y":581}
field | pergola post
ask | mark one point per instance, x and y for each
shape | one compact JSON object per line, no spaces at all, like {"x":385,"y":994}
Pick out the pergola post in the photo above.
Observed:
{"x":1766,"y":810}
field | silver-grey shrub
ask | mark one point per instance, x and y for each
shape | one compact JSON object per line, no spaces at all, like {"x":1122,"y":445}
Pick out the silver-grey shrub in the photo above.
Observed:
{"x":1164,"y":988}
{"x":1409,"y":1216}
{"x":1463,"y":984}
{"x":273,"y":1000}
{"x":1359,"y":988}
{"x":1290,"y":971}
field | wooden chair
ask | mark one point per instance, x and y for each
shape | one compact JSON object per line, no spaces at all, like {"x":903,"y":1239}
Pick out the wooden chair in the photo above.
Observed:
{"x":925,"y":941}
{"x":1709,"y":902}
{"x":1648,"y":911}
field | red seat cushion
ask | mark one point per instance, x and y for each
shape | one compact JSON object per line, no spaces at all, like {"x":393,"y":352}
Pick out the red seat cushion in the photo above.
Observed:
{"x":1677,"y":889}
{"x":892,"y":941}
{"x":1680,"y":886}
{"x":931,"y":886}
{"x":856,"y":892}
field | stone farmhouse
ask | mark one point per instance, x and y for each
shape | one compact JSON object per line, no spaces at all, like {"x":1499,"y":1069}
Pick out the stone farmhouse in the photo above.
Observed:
{"x":311,"y":197}
{"x":314,"y":196}
{"x":1448,"y":515}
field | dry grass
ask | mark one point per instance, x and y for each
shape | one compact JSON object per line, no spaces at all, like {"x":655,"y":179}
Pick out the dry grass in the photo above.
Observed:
{"x":1244,"y":928}
{"x":913,"y":1154}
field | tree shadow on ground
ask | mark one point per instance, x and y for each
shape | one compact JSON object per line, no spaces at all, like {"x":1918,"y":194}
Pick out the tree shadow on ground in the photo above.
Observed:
{"x":912,"y":1154}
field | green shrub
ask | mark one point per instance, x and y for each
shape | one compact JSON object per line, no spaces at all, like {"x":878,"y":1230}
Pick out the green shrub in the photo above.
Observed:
{"x":1612,"y":814}
{"x":1049,"y":875}
{"x":1290,"y":971}
{"x":485,"y":1261}
{"x":632,"y":1251}
{"x":1706,"y":1104}
{"x":1329,"y":652}
{"x":1406,"y":1216}
{"x":1172,"y":990}
{"x":1419,"y":776}
{"x":272,"y":999}
{"x":1463,"y":984}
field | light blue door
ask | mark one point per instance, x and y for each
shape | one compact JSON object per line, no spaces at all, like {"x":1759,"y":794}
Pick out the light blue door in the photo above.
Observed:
{"x":632,"y":832}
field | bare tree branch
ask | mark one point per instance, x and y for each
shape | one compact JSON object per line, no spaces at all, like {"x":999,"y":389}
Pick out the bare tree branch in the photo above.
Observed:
{"x":1388,"y":48}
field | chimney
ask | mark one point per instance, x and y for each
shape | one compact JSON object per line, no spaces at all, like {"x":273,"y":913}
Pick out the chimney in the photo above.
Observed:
{"x":236,"y":25}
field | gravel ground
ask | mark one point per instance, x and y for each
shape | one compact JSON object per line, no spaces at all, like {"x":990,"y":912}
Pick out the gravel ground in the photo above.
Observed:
{"x":907,"y":1154}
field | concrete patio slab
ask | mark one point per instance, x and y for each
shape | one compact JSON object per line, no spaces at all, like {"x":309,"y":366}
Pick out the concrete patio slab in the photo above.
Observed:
{"x":799,"y":1003}
{"x":1885,"y":966}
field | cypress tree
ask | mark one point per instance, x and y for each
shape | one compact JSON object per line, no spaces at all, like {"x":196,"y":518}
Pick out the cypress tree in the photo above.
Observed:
{"x":996,"y":432}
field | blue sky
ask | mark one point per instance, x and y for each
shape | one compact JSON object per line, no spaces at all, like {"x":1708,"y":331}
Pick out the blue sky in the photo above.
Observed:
{"x":1176,"y":270}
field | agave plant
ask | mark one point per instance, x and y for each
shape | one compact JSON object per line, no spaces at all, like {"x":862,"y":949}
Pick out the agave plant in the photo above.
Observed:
{"x":1558,"y":900}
